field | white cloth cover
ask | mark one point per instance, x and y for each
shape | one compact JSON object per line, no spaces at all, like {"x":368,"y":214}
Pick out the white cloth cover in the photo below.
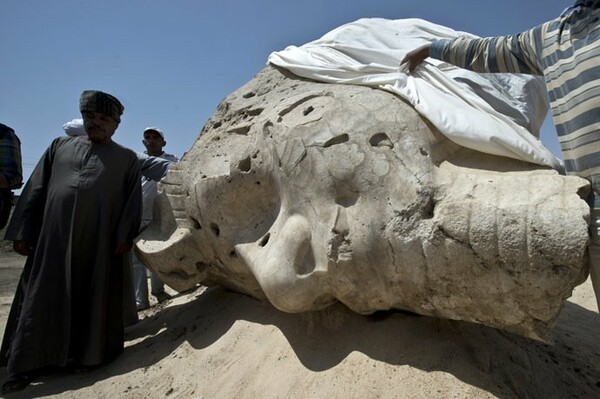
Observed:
{"x":498,"y":114}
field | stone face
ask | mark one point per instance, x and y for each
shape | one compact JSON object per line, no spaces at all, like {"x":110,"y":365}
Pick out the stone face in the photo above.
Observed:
{"x":306,"y":193}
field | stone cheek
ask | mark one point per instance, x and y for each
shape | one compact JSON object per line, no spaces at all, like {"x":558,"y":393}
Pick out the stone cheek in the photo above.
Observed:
{"x":305,"y":193}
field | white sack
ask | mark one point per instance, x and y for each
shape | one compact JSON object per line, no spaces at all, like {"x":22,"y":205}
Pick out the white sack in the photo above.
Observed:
{"x":498,"y":114}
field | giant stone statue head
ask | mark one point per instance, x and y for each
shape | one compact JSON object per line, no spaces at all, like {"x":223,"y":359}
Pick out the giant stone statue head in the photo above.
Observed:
{"x":306,"y":193}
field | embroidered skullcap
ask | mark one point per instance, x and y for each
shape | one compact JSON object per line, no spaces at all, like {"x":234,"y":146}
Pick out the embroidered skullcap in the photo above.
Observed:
{"x":103,"y":103}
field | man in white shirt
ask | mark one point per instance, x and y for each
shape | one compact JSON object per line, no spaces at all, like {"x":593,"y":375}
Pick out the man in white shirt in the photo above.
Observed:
{"x":154,"y":141}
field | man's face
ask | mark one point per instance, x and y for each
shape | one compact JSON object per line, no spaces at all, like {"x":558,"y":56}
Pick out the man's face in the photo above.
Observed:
{"x":99,"y":127}
{"x":153,"y":142}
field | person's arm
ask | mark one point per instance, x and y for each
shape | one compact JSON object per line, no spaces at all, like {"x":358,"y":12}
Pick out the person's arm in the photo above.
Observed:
{"x":154,"y":168}
{"x":11,"y":173}
{"x":131,"y":214}
{"x":515,"y":54}
{"x":27,"y":216}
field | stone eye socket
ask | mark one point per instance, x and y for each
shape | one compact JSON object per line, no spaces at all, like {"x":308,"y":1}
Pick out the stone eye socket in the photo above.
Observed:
{"x":252,"y":203}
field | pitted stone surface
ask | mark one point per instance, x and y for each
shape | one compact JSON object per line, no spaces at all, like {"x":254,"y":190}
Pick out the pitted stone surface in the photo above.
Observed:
{"x":306,"y":193}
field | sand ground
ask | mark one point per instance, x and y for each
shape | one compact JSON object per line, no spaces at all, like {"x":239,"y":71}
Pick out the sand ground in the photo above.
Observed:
{"x":213,"y":343}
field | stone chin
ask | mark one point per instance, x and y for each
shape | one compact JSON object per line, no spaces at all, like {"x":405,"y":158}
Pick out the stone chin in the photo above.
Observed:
{"x":305,"y":193}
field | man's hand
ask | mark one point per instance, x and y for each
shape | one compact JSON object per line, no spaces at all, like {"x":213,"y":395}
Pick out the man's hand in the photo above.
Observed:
{"x":22,"y":247}
{"x":123,"y":248}
{"x":416,"y":56}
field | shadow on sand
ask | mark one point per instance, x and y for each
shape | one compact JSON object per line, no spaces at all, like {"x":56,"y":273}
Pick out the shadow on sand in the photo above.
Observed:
{"x":474,"y":354}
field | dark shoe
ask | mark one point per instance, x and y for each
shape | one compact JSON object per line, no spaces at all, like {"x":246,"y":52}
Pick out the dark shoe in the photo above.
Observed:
{"x":162,"y":296}
{"x":142,"y":306}
{"x":77,"y":369}
{"x":16,"y":384}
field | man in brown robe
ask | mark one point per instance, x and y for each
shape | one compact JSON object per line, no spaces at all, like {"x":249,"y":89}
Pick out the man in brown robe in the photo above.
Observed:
{"x":76,"y":220}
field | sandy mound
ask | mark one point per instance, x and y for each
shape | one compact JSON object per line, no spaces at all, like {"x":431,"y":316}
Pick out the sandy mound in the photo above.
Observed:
{"x":218,"y":344}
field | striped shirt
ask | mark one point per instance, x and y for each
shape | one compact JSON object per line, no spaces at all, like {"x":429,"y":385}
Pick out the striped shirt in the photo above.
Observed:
{"x":566,"y":51}
{"x":10,"y":157}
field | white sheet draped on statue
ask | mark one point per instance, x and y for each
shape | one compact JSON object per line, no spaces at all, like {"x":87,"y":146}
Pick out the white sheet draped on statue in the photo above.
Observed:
{"x":498,"y":114}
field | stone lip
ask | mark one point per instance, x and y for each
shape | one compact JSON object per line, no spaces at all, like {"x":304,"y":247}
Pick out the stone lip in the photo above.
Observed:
{"x":306,"y":193}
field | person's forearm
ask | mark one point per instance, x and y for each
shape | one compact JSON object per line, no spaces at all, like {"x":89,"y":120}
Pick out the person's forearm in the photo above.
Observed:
{"x":512,"y":54}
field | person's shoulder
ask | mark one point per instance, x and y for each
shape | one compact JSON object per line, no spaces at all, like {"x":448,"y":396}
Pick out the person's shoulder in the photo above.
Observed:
{"x":169,"y":157}
{"x":60,"y":143}
{"x":124,"y":151}
{"x":119,"y":147}
{"x":4,"y":128}
{"x":7,"y":133}
{"x":62,"y":140}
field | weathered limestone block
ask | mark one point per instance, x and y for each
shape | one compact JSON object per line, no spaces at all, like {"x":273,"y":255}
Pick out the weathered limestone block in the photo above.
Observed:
{"x":307,"y":193}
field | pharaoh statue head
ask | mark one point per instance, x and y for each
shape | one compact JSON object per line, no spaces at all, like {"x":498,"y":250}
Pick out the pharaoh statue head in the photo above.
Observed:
{"x":306,"y":193}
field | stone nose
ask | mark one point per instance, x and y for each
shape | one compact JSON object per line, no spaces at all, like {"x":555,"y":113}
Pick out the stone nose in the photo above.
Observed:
{"x":284,"y":265}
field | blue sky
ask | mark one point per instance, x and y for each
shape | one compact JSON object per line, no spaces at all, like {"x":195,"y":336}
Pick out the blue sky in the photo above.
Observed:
{"x":172,"y":62}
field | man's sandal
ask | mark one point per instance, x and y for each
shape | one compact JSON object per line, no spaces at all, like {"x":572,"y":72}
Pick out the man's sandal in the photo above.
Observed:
{"x":16,"y":384}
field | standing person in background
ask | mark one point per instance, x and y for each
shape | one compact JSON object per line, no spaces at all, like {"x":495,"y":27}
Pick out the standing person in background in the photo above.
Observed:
{"x":75,"y":221}
{"x":154,"y":141}
{"x":566,"y":51}
{"x":11,"y":174}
